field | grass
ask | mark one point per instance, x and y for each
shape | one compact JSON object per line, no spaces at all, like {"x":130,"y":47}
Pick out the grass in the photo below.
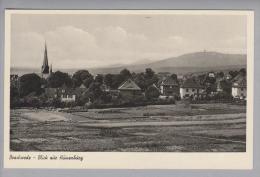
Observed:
{"x":34,"y":133}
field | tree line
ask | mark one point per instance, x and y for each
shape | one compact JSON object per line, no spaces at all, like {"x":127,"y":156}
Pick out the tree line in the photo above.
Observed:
{"x":32,"y":85}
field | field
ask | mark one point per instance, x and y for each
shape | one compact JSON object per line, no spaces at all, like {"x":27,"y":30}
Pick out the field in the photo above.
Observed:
{"x":157,"y":128}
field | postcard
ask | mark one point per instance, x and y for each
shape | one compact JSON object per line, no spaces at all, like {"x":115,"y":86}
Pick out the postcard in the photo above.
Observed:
{"x":129,"y":89}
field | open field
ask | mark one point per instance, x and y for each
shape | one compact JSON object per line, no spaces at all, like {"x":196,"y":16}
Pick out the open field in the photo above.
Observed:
{"x":157,"y":128}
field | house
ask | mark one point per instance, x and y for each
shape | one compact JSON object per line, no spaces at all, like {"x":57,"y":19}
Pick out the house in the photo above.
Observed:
{"x":129,"y":89}
{"x":190,"y":88}
{"x":239,"y":88}
{"x":170,"y":87}
{"x":67,"y":95}
{"x":211,"y":74}
{"x":63,"y":93}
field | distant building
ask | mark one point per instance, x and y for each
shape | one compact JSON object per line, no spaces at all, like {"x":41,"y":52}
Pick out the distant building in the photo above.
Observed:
{"x":129,"y":89}
{"x":211,"y":74}
{"x":169,"y":87}
{"x":190,"y":88}
{"x":239,"y":88}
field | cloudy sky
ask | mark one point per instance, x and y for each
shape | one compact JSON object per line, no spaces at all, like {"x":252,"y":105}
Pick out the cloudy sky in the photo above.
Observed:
{"x":91,"y":40}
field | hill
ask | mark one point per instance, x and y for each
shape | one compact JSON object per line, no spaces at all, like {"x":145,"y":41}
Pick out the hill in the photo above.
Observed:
{"x":192,"y":62}
{"x":187,"y":63}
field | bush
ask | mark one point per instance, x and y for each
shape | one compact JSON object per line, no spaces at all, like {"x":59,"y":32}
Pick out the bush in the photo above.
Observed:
{"x":152,"y":92}
{"x":30,"y":83}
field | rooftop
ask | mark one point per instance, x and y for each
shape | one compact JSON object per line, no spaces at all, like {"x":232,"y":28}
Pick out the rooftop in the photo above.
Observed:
{"x":191,"y":83}
{"x":129,"y":85}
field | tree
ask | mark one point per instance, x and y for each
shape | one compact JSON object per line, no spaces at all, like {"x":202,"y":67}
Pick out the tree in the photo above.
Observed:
{"x":220,"y":74}
{"x":226,"y":86}
{"x":83,"y":99}
{"x":125,"y":73}
{"x":99,"y":79}
{"x":108,"y":79}
{"x":95,"y":90}
{"x":30,"y":83}
{"x":58,"y":79}
{"x":106,"y":97}
{"x":201,"y":78}
{"x":14,"y":92}
{"x":233,"y":73}
{"x":82,"y":77}
{"x":242,"y":72}
{"x":118,"y":79}
{"x":174,"y":76}
{"x":152,"y":92}
{"x":210,"y":80}
{"x":140,"y":80}
{"x":149,"y":73}
{"x":150,"y":77}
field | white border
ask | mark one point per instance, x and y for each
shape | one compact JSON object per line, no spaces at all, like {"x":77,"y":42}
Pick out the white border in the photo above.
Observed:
{"x":137,"y":160}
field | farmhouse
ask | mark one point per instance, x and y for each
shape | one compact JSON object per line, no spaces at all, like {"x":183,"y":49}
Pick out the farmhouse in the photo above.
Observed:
{"x":239,"y":88}
{"x":169,"y":87}
{"x":64,"y":94}
{"x":190,"y":88}
{"x":129,"y":89}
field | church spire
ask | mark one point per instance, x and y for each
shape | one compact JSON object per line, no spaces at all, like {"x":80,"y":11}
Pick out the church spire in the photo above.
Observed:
{"x":45,"y":65}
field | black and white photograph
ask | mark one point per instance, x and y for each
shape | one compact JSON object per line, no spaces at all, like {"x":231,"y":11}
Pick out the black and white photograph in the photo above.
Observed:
{"x":140,"y":81}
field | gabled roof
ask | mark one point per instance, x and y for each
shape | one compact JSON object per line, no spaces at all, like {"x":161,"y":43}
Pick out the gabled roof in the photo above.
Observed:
{"x":191,"y":83}
{"x":82,"y":86}
{"x":170,"y":81}
{"x":129,"y":85}
{"x":155,"y":87}
{"x":239,"y":76}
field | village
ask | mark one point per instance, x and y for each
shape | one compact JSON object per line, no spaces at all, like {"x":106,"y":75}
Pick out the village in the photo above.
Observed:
{"x":128,"y":111}
{"x":58,"y":89}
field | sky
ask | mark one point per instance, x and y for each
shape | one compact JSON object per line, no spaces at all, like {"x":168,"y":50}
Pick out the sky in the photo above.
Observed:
{"x":102,"y":40}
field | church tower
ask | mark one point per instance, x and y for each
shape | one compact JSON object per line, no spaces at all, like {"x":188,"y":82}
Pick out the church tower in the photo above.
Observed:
{"x":45,"y":66}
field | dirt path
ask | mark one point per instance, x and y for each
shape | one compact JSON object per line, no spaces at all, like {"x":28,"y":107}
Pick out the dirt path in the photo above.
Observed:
{"x":170,"y":123}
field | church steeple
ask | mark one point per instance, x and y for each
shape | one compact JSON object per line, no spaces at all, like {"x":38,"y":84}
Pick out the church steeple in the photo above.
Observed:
{"x":45,"y":66}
